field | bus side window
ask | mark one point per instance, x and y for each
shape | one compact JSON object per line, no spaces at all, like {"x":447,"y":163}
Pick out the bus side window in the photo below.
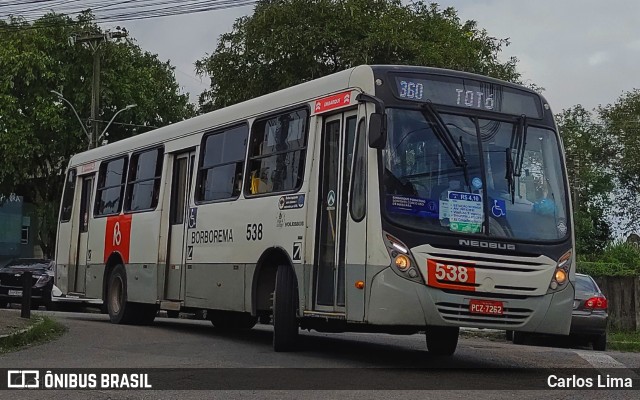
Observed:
{"x":359,"y":180}
{"x":143,"y":187}
{"x":221,"y":163}
{"x":67,"y":197}
{"x":110,"y":190}
{"x":277,"y":153}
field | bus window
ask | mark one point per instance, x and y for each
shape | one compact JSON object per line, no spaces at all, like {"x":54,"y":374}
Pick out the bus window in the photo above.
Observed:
{"x":111,"y":181}
{"x":143,"y":187}
{"x":359,"y":185}
{"x":222,"y":160}
{"x":67,"y":198}
{"x":277,"y":153}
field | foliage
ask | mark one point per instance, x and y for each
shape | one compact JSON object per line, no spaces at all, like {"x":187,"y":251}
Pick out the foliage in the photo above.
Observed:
{"x":588,"y":150}
{"x":39,"y":133}
{"x":286,"y":42}
{"x":622,"y":122}
{"x":42,"y":330}
{"x":617,"y":259}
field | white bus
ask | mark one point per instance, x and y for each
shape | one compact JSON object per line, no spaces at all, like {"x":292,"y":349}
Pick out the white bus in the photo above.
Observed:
{"x":391,"y":199}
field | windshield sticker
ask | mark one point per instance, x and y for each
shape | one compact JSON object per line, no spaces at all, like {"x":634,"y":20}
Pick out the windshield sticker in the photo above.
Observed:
{"x":425,"y":208}
{"x":465,"y":212}
{"x":477,"y":183}
{"x":499,"y":208}
{"x":562,"y":228}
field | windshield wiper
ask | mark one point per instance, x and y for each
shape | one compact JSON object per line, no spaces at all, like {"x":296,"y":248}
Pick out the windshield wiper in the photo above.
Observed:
{"x":519,"y":143}
{"x":453,"y":148}
{"x":509,"y":175}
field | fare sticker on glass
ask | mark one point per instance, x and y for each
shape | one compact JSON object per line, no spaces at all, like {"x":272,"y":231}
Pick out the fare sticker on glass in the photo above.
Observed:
{"x":465,"y":212}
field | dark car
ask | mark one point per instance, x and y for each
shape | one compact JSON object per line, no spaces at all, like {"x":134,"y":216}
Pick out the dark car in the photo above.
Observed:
{"x":589,"y":316}
{"x":42,"y":281}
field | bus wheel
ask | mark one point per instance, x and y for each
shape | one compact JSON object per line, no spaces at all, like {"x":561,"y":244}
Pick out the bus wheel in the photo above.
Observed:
{"x":285,"y":302}
{"x":442,"y":340}
{"x":120,"y":311}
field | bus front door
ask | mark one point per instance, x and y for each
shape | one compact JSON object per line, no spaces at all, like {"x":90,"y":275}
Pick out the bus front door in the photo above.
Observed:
{"x":178,"y":222}
{"x":337,"y":141}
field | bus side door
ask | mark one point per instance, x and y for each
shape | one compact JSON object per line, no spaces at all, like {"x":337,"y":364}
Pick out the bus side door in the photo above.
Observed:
{"x":178,"y":224}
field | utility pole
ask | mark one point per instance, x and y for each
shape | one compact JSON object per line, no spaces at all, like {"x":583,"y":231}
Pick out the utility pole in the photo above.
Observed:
{"x":94,"y":41}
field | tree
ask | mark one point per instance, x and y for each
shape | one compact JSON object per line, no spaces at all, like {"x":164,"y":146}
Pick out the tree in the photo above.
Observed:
{"x":622,"y":124}
{"x":588,"y":152}
{"x":39,"y":133}
{"x":286,"y":42}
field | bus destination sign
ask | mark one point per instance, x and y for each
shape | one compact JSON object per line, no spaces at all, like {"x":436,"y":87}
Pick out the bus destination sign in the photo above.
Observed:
{"x":467,"y":93}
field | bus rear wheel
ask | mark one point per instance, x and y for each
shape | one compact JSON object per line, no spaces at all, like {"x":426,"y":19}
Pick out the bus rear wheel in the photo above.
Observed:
{"x":285,"y":303}
{"x":122,"y":311}
{"x":442,"y":340}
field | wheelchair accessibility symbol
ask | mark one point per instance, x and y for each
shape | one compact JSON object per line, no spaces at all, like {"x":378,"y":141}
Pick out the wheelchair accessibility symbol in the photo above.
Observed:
{"x":499,"y":208}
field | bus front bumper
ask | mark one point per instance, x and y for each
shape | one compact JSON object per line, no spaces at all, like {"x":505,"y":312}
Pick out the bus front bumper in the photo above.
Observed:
{"x":398,"y":301}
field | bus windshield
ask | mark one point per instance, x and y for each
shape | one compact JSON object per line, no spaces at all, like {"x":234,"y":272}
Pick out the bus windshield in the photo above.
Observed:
{"x":504,"y":181}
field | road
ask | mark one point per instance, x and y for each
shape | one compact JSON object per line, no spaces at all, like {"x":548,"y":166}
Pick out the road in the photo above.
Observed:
{"x":178,"y":344}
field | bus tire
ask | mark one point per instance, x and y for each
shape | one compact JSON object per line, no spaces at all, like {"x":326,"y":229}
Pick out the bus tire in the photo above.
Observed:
{"x":285,"y":302}
{"x":173,"y":314}
{"x":442,"y":340}
{"x":120,"y":311}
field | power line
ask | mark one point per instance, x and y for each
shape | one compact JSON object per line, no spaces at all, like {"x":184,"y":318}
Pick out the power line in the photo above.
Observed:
{"x":118,"y":11}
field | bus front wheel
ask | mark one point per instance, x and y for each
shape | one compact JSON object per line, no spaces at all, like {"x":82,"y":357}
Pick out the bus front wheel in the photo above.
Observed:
{"x":442,"y":340}
{"x":285,"y":302}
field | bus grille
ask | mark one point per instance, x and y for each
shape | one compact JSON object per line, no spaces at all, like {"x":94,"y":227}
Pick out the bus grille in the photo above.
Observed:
{"x":456,"y":313}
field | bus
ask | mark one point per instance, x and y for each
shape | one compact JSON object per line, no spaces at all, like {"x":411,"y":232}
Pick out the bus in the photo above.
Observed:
{"x":391,"y":199}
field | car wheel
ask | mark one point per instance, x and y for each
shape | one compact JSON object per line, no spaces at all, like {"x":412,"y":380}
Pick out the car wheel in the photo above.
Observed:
{"x":442,"y":340}
{"x":173,"y":313}
{"x":600,"y":342}
{"x":285,"y":302}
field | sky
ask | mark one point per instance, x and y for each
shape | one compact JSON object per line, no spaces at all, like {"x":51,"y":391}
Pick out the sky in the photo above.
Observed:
{"x":580,"y":51}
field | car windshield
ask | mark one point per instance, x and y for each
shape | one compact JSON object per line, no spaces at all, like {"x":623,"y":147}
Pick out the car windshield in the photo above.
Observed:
{"x":499,"y":180}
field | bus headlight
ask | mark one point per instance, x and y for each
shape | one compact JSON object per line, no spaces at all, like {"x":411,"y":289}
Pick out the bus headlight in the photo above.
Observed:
{"x":402,"y":262}
{"x":561,"y":274}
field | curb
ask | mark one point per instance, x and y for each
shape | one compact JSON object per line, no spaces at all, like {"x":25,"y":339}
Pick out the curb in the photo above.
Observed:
{"x":21,"y":331}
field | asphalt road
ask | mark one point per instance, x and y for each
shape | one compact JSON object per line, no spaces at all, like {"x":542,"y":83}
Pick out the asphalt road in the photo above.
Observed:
{"x":495,"y":368}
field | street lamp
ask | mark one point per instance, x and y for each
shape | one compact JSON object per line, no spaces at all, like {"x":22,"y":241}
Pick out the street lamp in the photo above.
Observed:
{"x":74,"y":111}
{"x":104,"y":132}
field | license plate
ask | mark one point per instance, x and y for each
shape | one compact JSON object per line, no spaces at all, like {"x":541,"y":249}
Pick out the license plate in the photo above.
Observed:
{"x":487,"y":307}
{"x":15,"y":292}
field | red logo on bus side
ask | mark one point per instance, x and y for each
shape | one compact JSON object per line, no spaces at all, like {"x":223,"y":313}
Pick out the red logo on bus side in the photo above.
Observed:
{"x":332,"y":102}
{"x":117,"y":236}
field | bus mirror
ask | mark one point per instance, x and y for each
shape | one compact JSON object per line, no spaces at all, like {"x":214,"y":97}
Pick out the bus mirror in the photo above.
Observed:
{"x":378,"y":131}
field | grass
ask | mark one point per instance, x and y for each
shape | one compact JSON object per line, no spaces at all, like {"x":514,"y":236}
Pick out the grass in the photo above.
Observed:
{"x":623,"y":341}
{"x":44,"y":330}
